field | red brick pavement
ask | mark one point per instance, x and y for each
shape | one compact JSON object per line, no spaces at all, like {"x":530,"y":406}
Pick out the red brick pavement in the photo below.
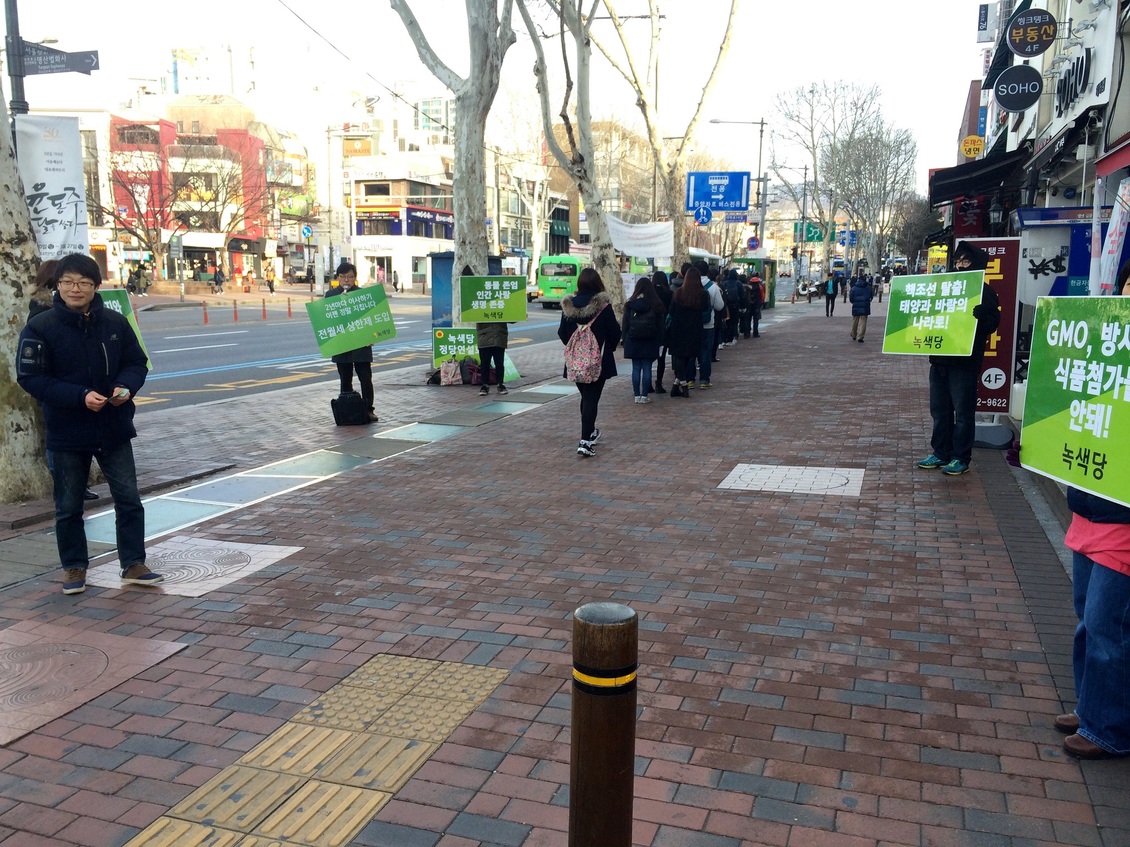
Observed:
{"x":815,"y":670}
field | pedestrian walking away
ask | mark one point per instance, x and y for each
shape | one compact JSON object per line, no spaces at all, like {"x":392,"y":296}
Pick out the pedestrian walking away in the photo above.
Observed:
{"x":589,"y":311}
{"x":953,"y":379}
{"x":642,"y":331}
{"x":685,"y":329}
{"x":359,"y":361}
{"x":84,"y":365}
{"x":861,"y":294}
{"x":663,"y":292}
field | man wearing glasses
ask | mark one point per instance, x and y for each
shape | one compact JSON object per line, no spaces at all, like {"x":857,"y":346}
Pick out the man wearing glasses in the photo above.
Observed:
{"x":84,"y":365}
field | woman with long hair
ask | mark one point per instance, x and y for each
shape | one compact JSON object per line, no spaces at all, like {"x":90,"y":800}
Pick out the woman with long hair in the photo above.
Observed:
{"x":663,"y":291}
{"x":642,"y":331}
{"x":592,"y":306}
{"x":685,"y":328}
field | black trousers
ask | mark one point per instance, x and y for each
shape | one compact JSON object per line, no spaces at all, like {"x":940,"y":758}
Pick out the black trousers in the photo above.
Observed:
{"x":590,"y":400}
{"x":492,"y":357}
{"x":364,"y":376}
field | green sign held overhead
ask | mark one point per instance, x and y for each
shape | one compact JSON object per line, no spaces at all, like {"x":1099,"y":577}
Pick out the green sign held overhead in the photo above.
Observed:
{"x":355,"y":319}
{"x":1077,"y":404}
{"x":492,"y":299}
{"x":932,"y":315}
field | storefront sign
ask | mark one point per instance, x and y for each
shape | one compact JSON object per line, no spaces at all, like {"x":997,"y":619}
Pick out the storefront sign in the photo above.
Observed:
{"x":1031,"y":33}
{"x":994,"y":393}
{"x":1077,"y":408}
{"x":1018,"y":88}
{"x":1072,"y":82}
{"x":355,"y":319}
{"x":492,"y":299}
{"x":932,"y":315}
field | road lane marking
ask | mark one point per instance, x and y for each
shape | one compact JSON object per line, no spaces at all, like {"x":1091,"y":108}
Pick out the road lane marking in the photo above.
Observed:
{"x":206,"y":334}
{"x":186,"y":349}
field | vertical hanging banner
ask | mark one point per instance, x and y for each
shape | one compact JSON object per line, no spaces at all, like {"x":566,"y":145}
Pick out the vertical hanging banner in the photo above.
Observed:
{"x":994,"y":394}
{"x":1115,"y":238}
{"x":50,"y":164}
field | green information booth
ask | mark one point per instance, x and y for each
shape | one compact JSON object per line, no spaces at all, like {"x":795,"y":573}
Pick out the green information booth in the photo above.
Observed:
{"x":767,"y":270}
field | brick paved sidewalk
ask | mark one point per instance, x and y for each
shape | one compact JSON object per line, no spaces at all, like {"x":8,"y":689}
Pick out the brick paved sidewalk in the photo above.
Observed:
{"x":816,"y":669}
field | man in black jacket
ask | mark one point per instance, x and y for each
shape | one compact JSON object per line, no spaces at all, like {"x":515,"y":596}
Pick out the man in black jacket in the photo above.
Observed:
{"x":953,"y":379}
{"x":84,"y":365}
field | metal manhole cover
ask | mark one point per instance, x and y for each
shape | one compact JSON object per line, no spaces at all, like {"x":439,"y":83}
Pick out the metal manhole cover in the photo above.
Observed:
{"x":37,"y":674}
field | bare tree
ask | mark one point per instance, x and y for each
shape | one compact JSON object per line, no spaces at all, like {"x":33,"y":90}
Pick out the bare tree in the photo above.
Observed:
{"x":580,"y":160}
{"x":819,"y":121}
{"x":914,"y":220}
{"x":670,"y":159}
{"x":143,"y":200}
{"x":873,"y":174}
{"x":23,"y":469}
{"x":489,"y":37}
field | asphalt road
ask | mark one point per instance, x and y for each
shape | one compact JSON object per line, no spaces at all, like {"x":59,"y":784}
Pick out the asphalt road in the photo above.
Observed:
{"x":241,"y":352}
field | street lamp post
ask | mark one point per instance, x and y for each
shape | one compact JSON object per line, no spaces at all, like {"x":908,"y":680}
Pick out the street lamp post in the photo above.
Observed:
{"x":762,"y":179}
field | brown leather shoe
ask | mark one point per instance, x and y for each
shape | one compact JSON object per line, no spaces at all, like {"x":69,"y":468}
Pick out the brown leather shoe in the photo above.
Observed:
{"x":1067,"y":724}
{"x":1079,"y":747}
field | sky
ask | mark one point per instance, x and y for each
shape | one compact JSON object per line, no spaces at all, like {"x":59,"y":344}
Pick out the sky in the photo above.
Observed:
{"x":312,"y":60}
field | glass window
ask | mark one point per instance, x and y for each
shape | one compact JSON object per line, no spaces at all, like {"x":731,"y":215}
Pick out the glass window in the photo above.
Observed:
{"x":369,"y":227}
{"x":418,"y":228}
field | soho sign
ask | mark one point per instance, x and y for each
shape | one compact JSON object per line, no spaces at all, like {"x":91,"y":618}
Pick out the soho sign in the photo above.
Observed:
{"x":1072,"y":82}
{"x":1018,"y":88}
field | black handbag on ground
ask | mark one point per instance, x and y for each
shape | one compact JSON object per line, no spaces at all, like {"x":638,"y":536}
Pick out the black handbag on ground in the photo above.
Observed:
{"x":349,"y":409}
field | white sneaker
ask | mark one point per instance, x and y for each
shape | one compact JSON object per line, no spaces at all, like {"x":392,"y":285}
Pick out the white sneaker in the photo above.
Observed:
{"x":585,"y":448}
{"x":643,"y":399}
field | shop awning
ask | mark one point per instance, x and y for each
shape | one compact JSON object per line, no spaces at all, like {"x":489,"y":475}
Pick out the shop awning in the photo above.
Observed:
{"x":983,"y":176}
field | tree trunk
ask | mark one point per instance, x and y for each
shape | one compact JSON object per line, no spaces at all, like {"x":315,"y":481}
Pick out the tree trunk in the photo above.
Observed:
{"x":23,"y":466}
{"x":675,"y":187}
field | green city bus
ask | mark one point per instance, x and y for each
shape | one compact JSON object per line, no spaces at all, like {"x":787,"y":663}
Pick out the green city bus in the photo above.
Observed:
{"x":557,"y":278}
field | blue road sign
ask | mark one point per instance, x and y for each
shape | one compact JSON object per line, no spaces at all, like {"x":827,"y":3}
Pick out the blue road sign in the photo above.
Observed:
{"x":306,"y":231}
{"x":721,"y":191}
{"x":702,"y":215}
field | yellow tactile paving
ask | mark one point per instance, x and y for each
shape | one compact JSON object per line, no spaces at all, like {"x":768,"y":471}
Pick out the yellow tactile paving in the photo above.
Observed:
{"x":298,"y":749}
{"x":378,"y":762}
{"x":238,"y":798}
{"x":362,"y":740}
{"x":323,"y":814}
{"x":348,"y":707}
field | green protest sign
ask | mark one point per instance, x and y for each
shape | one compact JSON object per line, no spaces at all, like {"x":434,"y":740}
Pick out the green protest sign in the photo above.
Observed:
{"x":118,"y":300}
{"x":1077,"y":404}
{"x":354,"y":319}
{"x":492,"y":299}
{"x":462,"y":343}
{"x":932,"y":315}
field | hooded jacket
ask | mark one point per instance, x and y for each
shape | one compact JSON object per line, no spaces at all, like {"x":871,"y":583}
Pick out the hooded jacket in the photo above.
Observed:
{"x":860,"y":297}
{"x":63,"y":354}
{"x":585,"y":307}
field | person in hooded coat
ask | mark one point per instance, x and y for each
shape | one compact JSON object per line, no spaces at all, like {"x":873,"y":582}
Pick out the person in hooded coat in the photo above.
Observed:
{"x":591,"y":305}
{"x":642,"y":331}
{"x":953,"y":379}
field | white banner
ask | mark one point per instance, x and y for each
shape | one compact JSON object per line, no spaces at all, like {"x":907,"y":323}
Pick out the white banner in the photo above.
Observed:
{"x":644,"y":240}
{"x":1115,"y":239}
{"x":50,"y":162}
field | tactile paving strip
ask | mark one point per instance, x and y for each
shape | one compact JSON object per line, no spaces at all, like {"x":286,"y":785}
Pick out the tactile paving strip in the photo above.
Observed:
{"x":788,"y":479}
{"x":320,"y":778}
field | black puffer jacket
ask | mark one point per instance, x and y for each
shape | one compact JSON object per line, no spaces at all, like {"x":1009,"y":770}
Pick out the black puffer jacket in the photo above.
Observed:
{"x":63,"y":354}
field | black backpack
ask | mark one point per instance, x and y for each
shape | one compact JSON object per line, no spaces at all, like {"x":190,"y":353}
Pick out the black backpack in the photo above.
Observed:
{"x":732,"y":293}
{"x":641,"y":325}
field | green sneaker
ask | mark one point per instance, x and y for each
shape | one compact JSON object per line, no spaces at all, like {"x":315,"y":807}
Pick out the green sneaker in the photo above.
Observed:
{"x":931,"y":462}
{"x":956,"y":467}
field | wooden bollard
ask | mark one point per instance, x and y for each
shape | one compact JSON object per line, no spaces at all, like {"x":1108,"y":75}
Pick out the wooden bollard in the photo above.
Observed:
{"x":205,"y":305}
{"x":289,"y":313}
{"x":602,"y":755}
{"x":235,"y":311}
{"x":264,"y":302}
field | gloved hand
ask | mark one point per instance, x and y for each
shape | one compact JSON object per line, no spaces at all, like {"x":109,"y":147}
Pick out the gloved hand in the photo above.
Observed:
{"x":982,"y":310}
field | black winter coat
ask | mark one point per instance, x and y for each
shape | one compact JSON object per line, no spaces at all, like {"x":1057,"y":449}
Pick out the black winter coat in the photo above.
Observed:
{"x":684,"y":334}
{"x":63,"y":354}
{"x":860,"y":297}
{"x":583,"y":308}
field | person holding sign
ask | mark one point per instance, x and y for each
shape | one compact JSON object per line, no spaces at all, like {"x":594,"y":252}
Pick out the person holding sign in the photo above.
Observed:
{"x":953,"y":379}
{"x":361,"y":359}
{"x":492,"y":339}
{"x":1099,"y":538}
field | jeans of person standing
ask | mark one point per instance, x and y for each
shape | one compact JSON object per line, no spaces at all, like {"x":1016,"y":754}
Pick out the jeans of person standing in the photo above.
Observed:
{"x":705,"y":355}
{"x":364,"y":376}
{"x":590,"y":400}
{"x":1102,"y":653}
{"x":492,"y":358}
{"x":953,"y":401}
{"x":71,"y":472}
{"x":641,"y":377}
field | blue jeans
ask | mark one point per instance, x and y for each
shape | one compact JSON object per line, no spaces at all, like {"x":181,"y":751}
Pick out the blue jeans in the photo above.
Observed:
{"x":705,"y":354}
{"x":1102,"y":653}
{"x":71,"y":472}
{"x":953,"y":403}
{"x":641,"y":377}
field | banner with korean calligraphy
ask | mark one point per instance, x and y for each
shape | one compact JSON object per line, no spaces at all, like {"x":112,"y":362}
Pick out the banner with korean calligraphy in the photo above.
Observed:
{"x":932,"y":314}
{"x":1077,"y":412}
{"x":50,"y":164}
{"x":462,"y":343}
{"x":492,"y":299}
{"x":355,"y":319}
{"x":994,"y":393}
